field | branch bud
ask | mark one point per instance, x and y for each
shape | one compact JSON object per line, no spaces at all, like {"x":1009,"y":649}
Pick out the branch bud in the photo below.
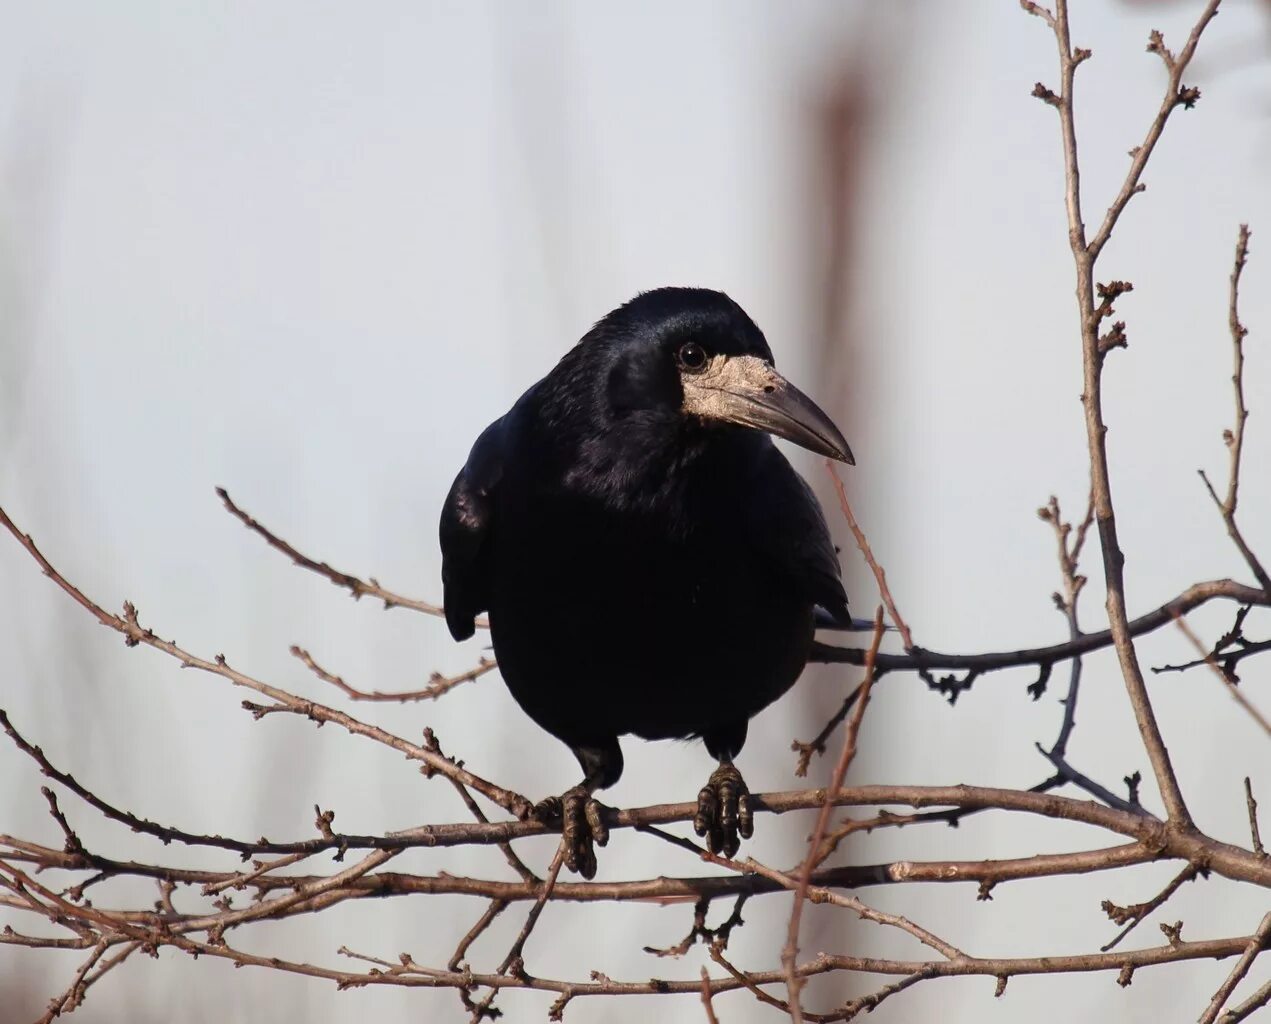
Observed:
{"x":1045,"y":95}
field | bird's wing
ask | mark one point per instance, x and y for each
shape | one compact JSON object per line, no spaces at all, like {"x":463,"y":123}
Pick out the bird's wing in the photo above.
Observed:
{"x":791,"y":532}
{"x":466,"y":521}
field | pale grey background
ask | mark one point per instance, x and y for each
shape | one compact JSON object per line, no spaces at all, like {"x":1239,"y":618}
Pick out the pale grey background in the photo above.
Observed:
{"x":307,"y":253}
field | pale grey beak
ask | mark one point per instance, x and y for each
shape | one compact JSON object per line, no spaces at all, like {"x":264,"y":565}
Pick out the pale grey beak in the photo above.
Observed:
{"x":750,"y":392}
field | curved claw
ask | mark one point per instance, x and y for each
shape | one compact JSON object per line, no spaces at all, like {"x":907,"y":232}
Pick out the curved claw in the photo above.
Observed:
{"x":580,"y":818}
{"x":724,"y":815}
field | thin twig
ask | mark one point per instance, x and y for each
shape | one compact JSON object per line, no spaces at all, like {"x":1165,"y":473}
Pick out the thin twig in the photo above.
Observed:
{"x":879,"y":575}
{"x":492,"y":910}
{"x":512,"y":962}
{"x":1227,"y":660}
{"x":1235,"y":438}
{"x":706,"y":998}
{"x":510,"y":855}
{"x":437,"y":683}
{"x":869,"y":1003}
{"x":1176,"y":95}
{"x":1252,"y":805}
{"x":1256,"y":945}
{"x":921,"y":658}
{"x":259,"y":870}
{"x":1204,"y":949}
{"x":1259,"y":999}
{"x":816,"y":745}
{"x":699,"y":929}
{"x":1230,"y":687}
{"x":353,"y":584}
{"x":74,"y":993}
{"x":129,"y":626}
{"x":862,"y":910}
{"x":790,"y":954}
{"x":1131,"y":916}
{"x":405,"y":839}
{"x":1069,"y":558}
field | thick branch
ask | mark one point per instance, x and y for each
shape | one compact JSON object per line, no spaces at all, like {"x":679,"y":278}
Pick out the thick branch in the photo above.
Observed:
{"x":1223,"y":858}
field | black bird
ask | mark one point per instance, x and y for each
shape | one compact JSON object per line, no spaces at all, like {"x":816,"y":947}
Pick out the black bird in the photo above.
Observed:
{"x":650,"y":562}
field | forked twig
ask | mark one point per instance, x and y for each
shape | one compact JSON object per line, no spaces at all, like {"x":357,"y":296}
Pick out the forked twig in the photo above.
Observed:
{"x":1230,"y":687}
{"x":1257,"y":943}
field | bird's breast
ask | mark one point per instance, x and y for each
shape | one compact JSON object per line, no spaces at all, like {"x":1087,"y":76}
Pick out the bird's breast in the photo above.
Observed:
{"x":644,"y":621}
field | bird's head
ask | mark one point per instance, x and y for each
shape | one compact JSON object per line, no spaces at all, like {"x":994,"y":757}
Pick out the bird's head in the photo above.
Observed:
{"x":690,"y":354}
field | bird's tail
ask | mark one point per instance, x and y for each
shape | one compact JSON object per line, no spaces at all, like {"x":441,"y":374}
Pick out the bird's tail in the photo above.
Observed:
{"x":824,"y":619}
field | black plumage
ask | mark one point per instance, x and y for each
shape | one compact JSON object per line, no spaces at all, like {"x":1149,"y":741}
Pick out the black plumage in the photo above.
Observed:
{"x":649,"y":561}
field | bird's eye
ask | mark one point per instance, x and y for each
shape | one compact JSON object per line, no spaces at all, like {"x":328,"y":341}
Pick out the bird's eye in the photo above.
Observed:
{"x":692,"y":357}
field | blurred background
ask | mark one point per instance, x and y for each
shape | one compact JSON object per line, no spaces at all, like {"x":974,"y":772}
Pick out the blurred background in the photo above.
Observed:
{"x":308,"y":254}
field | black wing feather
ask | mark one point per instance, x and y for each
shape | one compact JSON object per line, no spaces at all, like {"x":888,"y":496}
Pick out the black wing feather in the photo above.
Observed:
{"x":792,"y":532}
{"x":467,"y":519}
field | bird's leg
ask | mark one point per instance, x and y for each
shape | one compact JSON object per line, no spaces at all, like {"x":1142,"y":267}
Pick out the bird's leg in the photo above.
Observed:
{"x":579,"y":815}
{"x":724,"y":816}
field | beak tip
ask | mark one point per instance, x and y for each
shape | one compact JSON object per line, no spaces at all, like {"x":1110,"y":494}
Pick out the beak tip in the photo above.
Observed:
{"x":837,"y":448}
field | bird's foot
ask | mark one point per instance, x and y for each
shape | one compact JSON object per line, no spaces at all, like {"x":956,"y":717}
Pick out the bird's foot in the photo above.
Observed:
{"x":724,"y":816}
{"x":580,"y":817}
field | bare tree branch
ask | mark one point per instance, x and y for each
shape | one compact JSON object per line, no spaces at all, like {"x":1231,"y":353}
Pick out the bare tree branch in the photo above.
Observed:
{"x":789,"y":955}
{"x":1257,"y":943}
{"x":879,"y":575}
{"x":920,"y":658}
{"x":438,"y":685}
{"x":133,"y":633}
{"x":1230,"y":687}
{"x":355,"y":585}
{"x":1235,"y":438}
{"x":1085,"y":254}
{"x":198,"y":909}
{"x":1252,"y":806}
{"x":1246,"y":1009}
